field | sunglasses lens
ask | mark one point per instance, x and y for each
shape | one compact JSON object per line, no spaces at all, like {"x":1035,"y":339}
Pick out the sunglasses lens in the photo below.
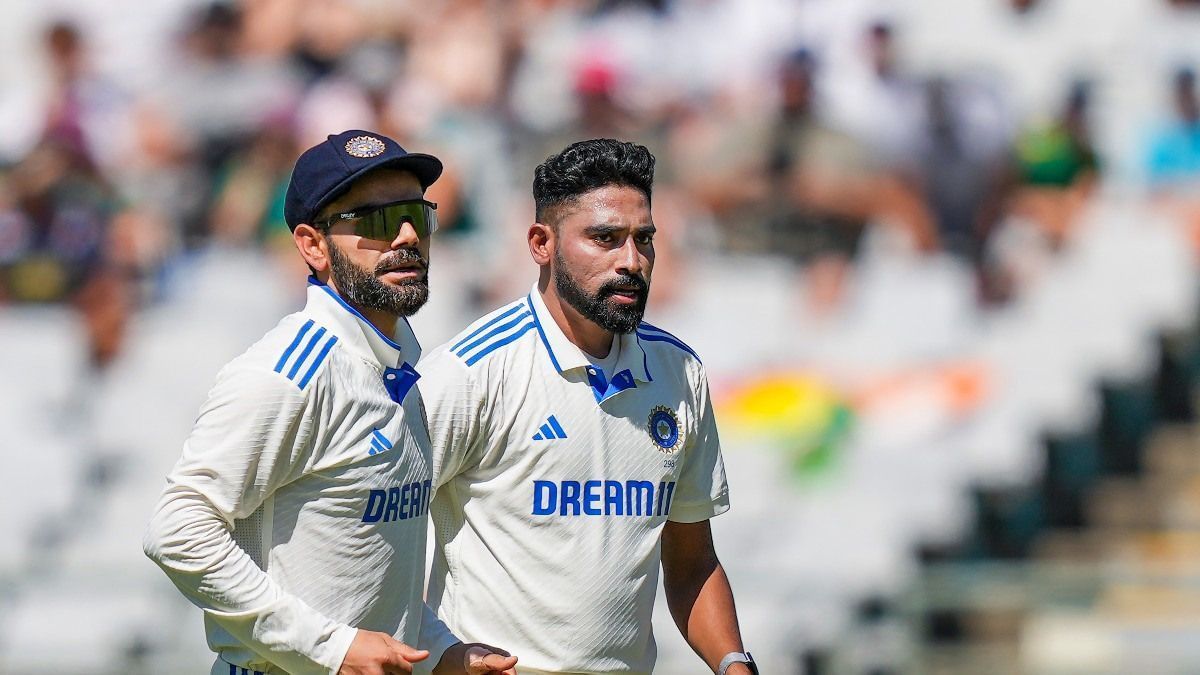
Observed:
{"x":385,"y":223}
{"x":374,"y":226}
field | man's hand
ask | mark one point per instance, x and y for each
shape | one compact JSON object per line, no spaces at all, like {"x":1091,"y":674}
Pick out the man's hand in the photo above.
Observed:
{"x":373,"y":653}
{"x":476,"y":659}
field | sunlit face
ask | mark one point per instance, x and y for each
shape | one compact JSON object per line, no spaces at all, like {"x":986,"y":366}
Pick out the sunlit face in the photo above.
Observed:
{"x":604,"y":256}
{"x":388,"y":276}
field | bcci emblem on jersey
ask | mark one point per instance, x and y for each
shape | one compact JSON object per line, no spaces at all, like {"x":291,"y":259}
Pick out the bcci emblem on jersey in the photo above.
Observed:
{"x":663,"y":426}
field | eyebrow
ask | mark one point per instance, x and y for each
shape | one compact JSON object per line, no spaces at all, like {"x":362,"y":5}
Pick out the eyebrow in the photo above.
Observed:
{"x":609,"y":228}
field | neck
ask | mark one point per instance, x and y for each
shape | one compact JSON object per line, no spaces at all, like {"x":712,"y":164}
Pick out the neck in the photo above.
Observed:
{"x":384,"y":321}
{"x":582,"y":332}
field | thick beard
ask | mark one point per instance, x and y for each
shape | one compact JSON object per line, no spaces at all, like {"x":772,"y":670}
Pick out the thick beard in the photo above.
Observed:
{"x":597,"y":307}
{"x":365,"y":290}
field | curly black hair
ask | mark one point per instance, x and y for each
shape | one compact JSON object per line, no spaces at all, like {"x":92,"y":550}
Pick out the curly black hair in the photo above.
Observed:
{"x":588,"y":165}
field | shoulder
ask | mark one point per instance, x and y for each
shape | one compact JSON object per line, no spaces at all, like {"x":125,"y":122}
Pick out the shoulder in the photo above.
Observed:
{"x":295,"y":352}
{"x":656,"y":339}
{"x":492,"y":333}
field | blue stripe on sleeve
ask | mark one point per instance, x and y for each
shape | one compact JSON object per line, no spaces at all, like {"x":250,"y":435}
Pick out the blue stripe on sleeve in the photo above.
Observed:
{"x":317,"y":361}
{"x":498,"y":344}
{"x":292,"y":347}
{"x":304,"y":354}
{"x":491,"y":334}
{"x":485,"y":326}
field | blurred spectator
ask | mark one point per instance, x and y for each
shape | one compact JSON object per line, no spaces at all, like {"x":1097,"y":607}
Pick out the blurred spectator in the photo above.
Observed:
{"x":814,"y":172}
{"x":601,"y":110}
{"x":1057,"y":166}
{"x":961,"y":163}
{"x":83,"y":108}
{"x":791,"y":184}
{"x":249,"y":190}
{"x":1055,"y":173}
{"x":1061,"y":153}
{"x":458,"y":51}
{"x":1024,"y":6}
{"x":323,"y":32}
{"x":221,"y":97}
{"x":1173,"y":156}
{"x":56,"y":242}
{"x":884,"y":105}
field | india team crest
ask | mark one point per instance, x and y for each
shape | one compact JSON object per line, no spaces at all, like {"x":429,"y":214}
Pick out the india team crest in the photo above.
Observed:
{"x":364,"y":147}
{"x":663,"y":426}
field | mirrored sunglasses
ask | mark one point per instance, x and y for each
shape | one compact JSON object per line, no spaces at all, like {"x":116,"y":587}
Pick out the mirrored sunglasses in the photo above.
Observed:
{"x":384,"y":222}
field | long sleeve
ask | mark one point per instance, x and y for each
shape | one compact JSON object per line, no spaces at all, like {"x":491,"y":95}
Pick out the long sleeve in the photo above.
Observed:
{"x":436,"y":637}
{"x":250,"y":438}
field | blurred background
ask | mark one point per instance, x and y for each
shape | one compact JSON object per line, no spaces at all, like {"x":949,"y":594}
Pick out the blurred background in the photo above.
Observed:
{"x":939,"y":256}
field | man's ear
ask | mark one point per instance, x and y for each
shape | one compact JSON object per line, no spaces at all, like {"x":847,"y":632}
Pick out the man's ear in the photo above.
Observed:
{"x":313,"y":247}
{"x":542,"y":240}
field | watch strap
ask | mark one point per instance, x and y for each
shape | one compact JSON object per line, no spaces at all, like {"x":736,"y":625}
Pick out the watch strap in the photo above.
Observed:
{"x":737,"y":657}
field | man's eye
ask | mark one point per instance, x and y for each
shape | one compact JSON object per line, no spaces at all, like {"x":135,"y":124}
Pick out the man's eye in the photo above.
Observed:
{"x":645,"y":238}
{"x":604,"y":238}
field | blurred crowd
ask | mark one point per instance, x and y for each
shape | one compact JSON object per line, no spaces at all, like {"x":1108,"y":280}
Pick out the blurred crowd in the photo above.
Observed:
{"x":772,"y":137}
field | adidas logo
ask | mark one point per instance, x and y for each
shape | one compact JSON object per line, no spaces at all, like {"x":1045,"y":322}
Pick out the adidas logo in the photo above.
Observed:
{"x":550,"y":430}
{"x":379,"y":443}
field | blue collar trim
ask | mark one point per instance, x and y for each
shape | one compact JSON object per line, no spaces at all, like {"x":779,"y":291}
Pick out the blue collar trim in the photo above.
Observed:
{"x":645,"y":358}
{"x":604,"y":389}
{"x":313,"y":281}
{"x":398,"y":381}
{"x":538,"y":323}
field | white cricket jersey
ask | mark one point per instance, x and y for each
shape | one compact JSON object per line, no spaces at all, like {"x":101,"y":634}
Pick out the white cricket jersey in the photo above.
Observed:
{"x":553,"y":480}
{"x":297,"y":512}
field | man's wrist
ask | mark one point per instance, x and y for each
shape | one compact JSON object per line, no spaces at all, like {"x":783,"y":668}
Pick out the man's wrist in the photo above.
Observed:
{"x":737,"y":663}
{"x":455,"y":654}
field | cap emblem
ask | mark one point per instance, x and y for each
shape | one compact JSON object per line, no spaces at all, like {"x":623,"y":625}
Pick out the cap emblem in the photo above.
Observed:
{"x":364,"y":147}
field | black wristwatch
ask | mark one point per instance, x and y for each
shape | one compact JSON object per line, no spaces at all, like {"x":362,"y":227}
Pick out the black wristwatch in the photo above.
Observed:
{"x":737,"y":657}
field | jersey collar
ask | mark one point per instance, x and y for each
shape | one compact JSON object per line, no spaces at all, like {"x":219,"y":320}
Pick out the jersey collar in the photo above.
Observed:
{"x":359,"y":333}
{"x":566,"y":356}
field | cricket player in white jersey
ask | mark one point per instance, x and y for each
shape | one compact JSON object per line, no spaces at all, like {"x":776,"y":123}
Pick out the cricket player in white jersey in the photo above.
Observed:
{"x":575,"y":447}
{"x":296,"y":517}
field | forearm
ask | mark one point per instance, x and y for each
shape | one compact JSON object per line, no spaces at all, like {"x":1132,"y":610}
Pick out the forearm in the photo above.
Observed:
{"x":193,"y":545}
{"x":703,"y":609}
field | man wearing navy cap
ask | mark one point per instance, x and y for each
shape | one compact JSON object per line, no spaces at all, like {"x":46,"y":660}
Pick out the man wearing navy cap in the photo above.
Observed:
{"x":296,"y":516}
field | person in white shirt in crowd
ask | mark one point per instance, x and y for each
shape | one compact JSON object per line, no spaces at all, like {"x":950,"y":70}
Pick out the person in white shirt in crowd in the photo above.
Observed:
{"x":296,"y":516}
{"x":575,"y":447}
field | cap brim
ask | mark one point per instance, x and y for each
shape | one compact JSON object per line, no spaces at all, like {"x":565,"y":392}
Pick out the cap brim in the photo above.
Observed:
{"x":426,"y":168}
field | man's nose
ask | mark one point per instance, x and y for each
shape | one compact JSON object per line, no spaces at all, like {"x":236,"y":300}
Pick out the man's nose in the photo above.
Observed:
{"x":406,"y":237}
{"x":631,"y":257}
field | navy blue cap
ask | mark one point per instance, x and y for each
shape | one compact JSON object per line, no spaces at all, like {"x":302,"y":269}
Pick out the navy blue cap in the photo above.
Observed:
{"x":325,"y":171}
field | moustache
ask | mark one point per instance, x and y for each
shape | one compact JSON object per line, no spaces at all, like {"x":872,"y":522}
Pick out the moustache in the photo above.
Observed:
{"x":402,"y":257}
{"x":623,"y":282}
